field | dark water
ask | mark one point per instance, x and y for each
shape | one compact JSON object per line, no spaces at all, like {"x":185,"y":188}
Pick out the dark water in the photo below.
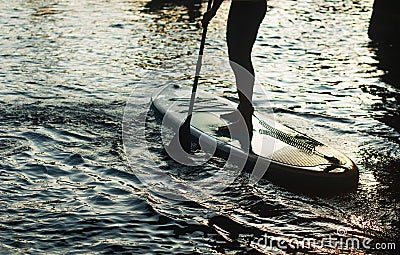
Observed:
{"x":69,"y":67}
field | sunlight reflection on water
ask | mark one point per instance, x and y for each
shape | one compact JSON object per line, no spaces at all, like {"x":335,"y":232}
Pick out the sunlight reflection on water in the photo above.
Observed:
{"x":68,"y":69}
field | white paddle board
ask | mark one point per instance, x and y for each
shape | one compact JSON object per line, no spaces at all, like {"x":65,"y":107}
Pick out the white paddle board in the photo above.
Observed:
{"x":289,"y":158}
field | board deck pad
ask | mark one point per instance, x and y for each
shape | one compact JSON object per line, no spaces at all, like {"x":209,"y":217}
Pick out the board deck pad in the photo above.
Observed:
{"x":287,"y":149}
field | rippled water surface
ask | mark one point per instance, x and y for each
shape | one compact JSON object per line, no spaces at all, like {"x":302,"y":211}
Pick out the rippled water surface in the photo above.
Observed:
{"x":67,"y":70}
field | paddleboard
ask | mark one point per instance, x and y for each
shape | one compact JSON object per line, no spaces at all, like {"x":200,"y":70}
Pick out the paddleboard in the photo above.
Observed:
{"x":289,"y":158}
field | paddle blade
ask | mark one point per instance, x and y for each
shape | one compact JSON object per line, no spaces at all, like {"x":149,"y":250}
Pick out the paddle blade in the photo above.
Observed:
{"x":184,"y":136}
{"x":181,"y":140}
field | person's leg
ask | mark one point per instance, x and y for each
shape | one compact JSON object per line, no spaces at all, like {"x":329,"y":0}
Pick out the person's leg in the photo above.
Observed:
{"x":243,"y":24}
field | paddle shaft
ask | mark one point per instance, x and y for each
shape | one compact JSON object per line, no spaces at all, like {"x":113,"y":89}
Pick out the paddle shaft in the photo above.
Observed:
{"x":198,"y":67}
{"x":184,"y":129}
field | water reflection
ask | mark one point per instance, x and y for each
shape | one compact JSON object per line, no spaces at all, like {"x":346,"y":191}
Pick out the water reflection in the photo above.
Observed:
{"x":192,"y":7}
{"x":387,"y":110}
{"x":63,"y":155}
{"x":388,"y":56}
{"x":386,"y":46}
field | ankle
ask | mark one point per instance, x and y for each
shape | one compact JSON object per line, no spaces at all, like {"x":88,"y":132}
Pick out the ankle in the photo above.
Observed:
{"x":245,"y":109}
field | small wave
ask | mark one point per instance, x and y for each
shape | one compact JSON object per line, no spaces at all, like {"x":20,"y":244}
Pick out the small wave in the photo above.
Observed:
{"x":11,"y":145}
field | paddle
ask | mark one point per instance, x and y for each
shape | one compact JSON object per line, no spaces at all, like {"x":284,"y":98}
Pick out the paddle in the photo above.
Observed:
{"x":184,"y":129}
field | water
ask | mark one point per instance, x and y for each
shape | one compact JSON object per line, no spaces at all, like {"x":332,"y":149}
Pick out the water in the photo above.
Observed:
{"x":69,"y":67}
